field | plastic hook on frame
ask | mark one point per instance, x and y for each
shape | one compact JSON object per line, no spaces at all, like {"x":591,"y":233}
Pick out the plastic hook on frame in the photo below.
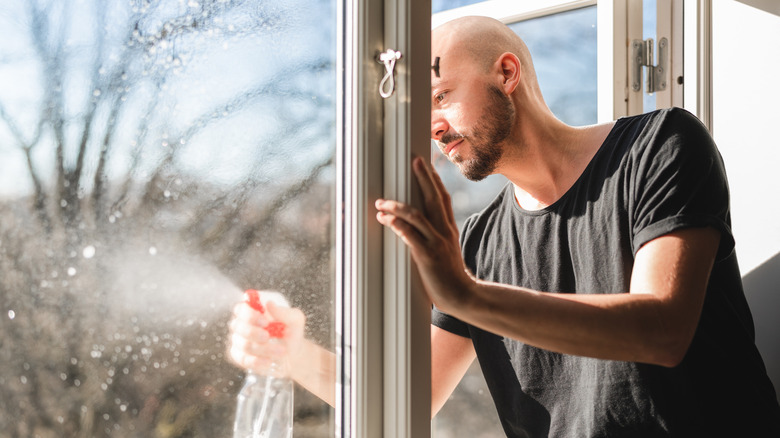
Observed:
{"x":388,"y":58}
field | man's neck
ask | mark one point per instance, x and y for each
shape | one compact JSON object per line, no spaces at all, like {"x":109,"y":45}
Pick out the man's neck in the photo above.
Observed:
{"x":550,"y":162}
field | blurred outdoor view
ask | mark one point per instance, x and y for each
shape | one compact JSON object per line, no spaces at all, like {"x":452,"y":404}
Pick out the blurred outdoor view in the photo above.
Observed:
{"x":157,"y":157}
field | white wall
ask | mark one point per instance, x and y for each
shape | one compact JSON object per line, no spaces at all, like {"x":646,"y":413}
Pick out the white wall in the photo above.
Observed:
{"x":746,"y":127}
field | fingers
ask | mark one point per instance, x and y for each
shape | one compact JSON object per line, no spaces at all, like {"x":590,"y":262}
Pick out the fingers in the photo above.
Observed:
{"x":438,"y":203}
{"x":407,"y":222}
{"x":244,"y":312}
{"x":445,"y":196}
{"x":435,"y":196}
{"x":255,"y":356}
{"x":424,"y":178}
{"x":255,"y":343}
{"x":260,"y":365}
{"x":251,"y":346}
{"x":290,"y":316}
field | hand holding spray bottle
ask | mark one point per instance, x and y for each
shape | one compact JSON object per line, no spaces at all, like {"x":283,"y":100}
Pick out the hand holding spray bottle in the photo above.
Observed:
{"x":265,"y":403}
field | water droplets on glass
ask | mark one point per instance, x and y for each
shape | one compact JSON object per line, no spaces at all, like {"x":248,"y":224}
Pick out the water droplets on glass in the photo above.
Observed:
{"x":207,"y":129}
{"x":88,"y":252}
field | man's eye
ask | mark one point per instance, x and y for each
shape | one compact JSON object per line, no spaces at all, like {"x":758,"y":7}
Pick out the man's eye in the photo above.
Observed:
{"x":439,"y":97}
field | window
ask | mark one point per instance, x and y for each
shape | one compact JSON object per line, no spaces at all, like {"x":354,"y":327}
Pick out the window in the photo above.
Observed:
{"x":158,"y":158}
{"x":443,"y":5}
{"x":658,"y":24}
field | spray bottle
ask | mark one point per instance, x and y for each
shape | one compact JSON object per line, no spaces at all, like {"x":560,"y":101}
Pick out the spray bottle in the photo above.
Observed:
{"x":265,"y":403}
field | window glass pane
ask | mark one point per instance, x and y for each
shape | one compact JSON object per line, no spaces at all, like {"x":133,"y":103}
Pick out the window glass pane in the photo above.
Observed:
{"x":156,"y":159}
{"x":443,"y":5}
{"x":563,"y":47}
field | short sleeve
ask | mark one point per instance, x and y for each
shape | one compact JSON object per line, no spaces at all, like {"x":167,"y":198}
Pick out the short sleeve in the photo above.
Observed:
{"x":449,"y":323}
{"x":679,"y":181}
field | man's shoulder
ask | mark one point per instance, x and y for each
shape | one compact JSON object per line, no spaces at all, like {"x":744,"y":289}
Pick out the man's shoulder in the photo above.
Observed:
{"x":672,"y":122}
{"x":677,"y":132}
{"x":495,"y":211}
{"x":663,"y":115}
{"x":662,"y":118}
{"x":663,"y":132}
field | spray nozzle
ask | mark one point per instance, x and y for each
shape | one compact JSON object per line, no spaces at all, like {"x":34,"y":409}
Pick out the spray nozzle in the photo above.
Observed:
{"x":252,"y":297}
{"x":275,"y":328}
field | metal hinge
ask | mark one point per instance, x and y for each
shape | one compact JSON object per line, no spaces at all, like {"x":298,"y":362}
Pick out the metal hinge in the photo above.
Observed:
{"x":642,"y":56}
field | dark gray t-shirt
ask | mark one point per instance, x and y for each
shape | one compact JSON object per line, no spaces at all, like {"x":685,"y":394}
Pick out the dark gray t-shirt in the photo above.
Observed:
{"x":654,"y":174}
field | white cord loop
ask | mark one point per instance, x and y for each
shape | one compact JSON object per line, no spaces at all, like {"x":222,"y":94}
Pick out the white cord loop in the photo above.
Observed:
{"x":388,"y":58}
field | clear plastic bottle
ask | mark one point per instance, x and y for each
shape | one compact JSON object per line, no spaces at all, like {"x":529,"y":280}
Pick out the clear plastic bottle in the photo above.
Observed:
{"x":265,"y":403}
{"x":265,"y":408}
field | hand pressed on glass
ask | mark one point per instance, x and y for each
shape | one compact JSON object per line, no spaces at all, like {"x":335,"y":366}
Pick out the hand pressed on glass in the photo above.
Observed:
{"x":432,"y":237}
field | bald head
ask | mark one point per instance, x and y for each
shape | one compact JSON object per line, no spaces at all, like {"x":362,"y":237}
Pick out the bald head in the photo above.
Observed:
{"x":480,"y":40}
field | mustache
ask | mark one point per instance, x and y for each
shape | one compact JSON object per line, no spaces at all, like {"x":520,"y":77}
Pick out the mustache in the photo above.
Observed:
{"x":449,"y":138}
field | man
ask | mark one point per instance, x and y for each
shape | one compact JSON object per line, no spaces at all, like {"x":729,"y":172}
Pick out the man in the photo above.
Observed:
{"x":599,"y":291}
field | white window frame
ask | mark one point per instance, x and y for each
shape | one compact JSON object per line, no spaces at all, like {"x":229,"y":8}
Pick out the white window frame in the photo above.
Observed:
{"x":407,"y":376}
{"x":669,"y":18}
{"x":619,"y":23}
{"x":698,"y":59}
{"x":383,"y":317}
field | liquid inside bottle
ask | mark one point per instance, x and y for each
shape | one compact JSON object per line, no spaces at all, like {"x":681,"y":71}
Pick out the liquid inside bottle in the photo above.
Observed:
{"x":265,"y":403}
{"x":265,"y":408}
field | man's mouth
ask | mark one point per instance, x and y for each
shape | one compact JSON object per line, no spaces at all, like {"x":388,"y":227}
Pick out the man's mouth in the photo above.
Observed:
{"x":450,"y":147}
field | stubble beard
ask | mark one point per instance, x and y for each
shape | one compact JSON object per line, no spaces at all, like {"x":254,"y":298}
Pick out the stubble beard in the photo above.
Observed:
{"x":486,"y":137}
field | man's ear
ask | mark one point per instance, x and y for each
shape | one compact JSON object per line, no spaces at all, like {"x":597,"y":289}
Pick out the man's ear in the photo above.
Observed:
{"x":511,"y":71}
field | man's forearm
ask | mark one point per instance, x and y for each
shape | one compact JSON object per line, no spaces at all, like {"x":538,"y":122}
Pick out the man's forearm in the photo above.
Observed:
{"x":613,"y":326}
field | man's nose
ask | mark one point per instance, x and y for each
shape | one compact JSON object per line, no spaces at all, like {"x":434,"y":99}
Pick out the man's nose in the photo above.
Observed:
{"x":439,"y":127}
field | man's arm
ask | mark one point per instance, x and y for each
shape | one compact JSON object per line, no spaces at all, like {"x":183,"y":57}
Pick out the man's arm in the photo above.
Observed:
{"x":451,"y":356}
{"x":653,"y":322}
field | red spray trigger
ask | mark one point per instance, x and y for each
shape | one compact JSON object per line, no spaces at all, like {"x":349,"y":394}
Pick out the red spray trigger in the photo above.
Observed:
{"x":275,"y":329}
{"x":252,"y":297}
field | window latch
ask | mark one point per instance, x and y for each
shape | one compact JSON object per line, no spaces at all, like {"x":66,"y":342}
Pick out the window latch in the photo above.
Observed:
{"x":388,"y":58}
{"x":642,"y":56}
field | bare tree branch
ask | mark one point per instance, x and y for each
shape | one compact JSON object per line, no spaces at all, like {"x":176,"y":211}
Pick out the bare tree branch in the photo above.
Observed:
{"x":39,"y":196}
{"x":52,"y":61}
{"x":251,"y":230}
{"x":74,"y":177}
{"x":140,"y":141}
{"x":98,"y":190}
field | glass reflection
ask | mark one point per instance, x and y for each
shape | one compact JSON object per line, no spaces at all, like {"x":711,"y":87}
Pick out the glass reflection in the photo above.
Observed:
{"x":156,"y":159}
